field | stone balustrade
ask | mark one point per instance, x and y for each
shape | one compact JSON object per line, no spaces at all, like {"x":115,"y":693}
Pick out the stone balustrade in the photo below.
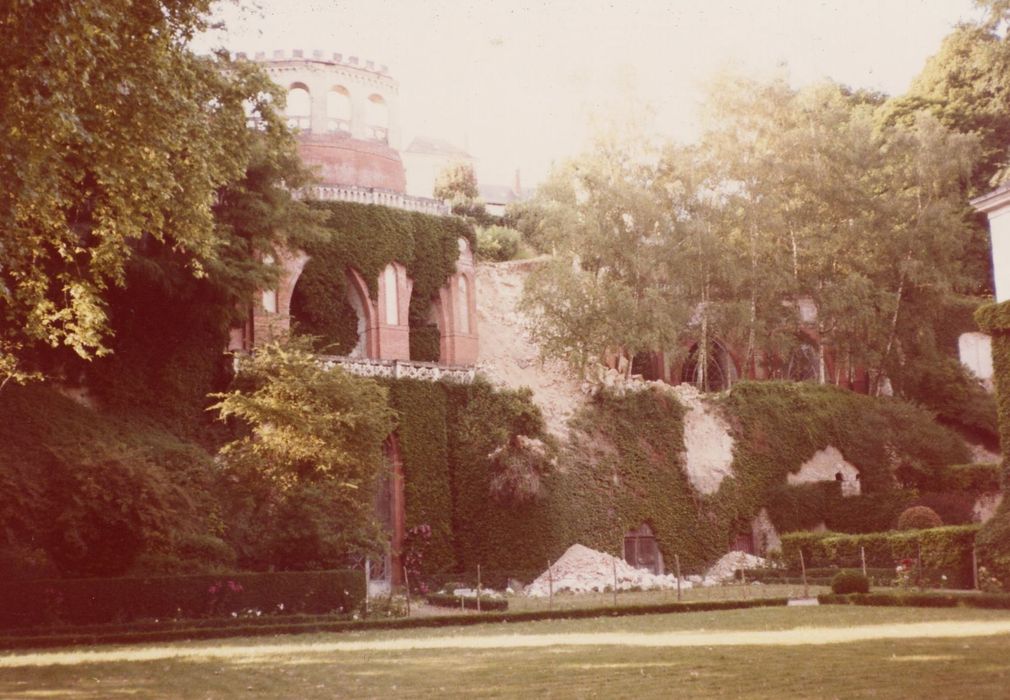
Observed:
{"x":400,"y":369}
{"x":370,"y":195}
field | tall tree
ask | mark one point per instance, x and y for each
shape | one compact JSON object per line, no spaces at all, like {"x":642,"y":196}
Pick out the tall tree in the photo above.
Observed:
{"x":311,"y":431}
{"x":114,"y":135}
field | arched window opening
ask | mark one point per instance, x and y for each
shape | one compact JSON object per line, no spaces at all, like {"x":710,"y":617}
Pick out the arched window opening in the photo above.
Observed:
{"x":709,"y":368}
{"x":338,"y":110}
{"x":392,"y":300}
{"x":299,"y":108}
{"x":641,"y":549}
{"x":269,"y":295}
{"x":378,"y":119}
{"x":329,"y":308}
{"x":425,"y":332}
{"x":804,"y":364}
{"x":647,"y":365}
{"x":463,"y":312}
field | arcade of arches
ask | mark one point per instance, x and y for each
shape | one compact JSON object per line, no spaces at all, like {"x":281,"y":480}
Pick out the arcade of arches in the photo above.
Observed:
{"x":353,"y":323}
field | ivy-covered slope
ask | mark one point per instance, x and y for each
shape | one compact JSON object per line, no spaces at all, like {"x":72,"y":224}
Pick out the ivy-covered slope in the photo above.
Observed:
{"x":624,"y":466}
{"x":89,"y":492}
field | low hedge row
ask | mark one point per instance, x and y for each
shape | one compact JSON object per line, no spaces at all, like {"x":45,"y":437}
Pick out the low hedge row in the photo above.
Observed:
{"x":991,"y":601}
{"x":96,"y":601}
{"x":815,"y":576}
{"x":944,"y":551}
{"x":447,"y":600}
{"x":59,"y":640}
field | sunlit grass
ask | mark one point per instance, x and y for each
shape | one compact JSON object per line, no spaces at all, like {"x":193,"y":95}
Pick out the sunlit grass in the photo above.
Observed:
{"x":368,"y":664}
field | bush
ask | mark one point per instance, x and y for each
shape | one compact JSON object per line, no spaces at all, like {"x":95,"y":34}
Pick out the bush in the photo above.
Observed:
{"x":470,"y":603}
{"x":498,"y":243}
{"x":91,"y":601}
{"x":919,"y":518}
{"x":943,"y":551}
{"x":850,"y":582}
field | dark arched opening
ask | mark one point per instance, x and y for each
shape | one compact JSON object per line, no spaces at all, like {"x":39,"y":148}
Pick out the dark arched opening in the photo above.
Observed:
{"x":641,"y":549}
{"x":648,"y":365}
{"x":709,"y":369}
{"x":804,"y":364}
{"x":325,"y":305}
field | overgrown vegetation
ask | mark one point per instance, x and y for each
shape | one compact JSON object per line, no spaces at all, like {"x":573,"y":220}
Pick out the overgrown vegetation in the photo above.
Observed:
{"x":426,"y":245}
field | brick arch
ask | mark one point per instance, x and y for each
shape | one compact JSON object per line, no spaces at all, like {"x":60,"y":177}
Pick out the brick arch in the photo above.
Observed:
{"x":292,"y":264}
{"x":728,"y":354}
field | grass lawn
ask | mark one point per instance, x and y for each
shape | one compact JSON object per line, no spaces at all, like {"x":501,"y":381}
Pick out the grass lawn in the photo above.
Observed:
{"x":819,"y":652}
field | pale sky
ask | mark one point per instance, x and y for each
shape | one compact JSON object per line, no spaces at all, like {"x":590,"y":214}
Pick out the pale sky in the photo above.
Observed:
{"x":514,"y":81}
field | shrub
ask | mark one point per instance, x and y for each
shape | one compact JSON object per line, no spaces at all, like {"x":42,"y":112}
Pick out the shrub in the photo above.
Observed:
{"x":943,"y":551}
{"x":498,"y":243}
{"x":919,"y":518}
{"x":850,"y":582}
{"x":90,"y":601}
{"x":468,"y":602}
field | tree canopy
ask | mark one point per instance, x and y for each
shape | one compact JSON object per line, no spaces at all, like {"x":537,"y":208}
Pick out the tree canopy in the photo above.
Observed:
{"x":792,"y":197}
{"x":118,"y":138}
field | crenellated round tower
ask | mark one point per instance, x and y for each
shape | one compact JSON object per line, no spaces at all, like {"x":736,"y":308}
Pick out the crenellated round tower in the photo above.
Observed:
{"x":347,"y":115}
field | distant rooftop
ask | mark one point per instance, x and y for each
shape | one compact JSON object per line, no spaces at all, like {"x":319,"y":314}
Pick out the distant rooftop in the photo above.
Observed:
{"x":423,"y":144}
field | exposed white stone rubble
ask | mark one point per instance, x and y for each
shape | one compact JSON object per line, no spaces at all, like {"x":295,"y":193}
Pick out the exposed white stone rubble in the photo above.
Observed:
{"x":584,"y":570}
{"x":825,"y":465}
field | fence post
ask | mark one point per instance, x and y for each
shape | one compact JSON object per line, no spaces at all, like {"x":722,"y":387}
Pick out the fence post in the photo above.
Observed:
{"x":676,"y":559}
{"x":613,"y":566}
{"x":406,"y":586}
{"x":974,"y":568}
{"x":743,"y":582}
{"x":803,"y":569}
{"x":478,"y":588}
{"x":862,"y":555}
{"x":550,"y":586}
{"x":368,"y":581}
{"x":918,"y":564}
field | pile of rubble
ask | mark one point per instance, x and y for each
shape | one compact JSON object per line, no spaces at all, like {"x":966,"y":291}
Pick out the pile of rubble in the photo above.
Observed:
{"x":724,"y":569}
{"x":584,"y":570}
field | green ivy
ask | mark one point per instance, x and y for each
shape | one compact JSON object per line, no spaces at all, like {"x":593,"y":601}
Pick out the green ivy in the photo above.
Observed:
{"x":367,"y":238}
{"x":421,"y":432}
{"x":994,"y":538}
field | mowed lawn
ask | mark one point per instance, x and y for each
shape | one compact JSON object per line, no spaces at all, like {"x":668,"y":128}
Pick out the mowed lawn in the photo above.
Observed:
{"x":814,"y":652}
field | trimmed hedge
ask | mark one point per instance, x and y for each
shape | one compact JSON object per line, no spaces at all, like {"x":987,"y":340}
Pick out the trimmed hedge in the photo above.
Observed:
{"x":989,"y":601}
{"x":56,"y":640}
{"x":850,"y":581}
{"x":91,"y":601}
{"x":945,"y":551}
{"x":447,"y":600}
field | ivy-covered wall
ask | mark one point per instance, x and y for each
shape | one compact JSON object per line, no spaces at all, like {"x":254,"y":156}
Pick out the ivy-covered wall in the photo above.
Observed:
{"x":624,"y":467}
{"x":993,"y":539}
{"x":367,"y":238}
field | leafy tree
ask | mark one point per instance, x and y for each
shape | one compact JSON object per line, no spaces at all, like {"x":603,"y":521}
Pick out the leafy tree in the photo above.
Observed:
{"x":116,"y":137}
{"x":315,"y":435}
{"x":457,"y":183}
{"x":606,"y":289}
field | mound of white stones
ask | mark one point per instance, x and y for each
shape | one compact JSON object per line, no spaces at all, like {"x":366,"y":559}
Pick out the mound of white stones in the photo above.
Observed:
{"x":583,"y":570}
